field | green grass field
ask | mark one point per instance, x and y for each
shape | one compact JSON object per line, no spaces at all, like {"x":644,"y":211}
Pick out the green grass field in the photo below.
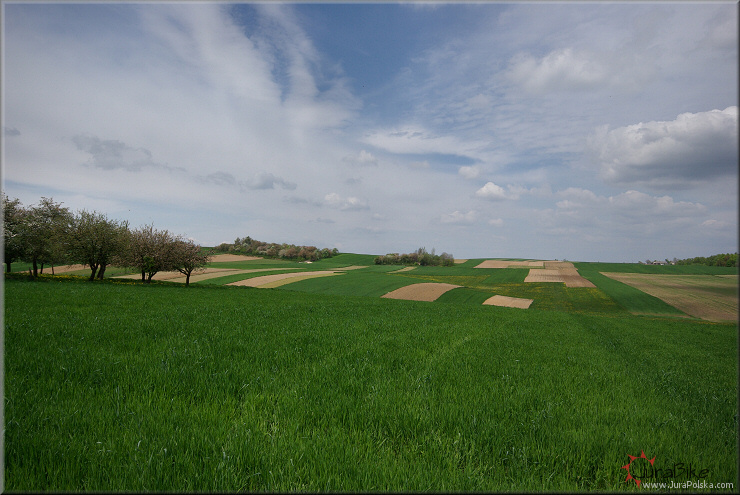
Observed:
{"x":120,"y":386}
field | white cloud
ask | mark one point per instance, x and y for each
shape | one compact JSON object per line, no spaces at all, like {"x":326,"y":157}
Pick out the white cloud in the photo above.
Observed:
{"x":496,"y":222}
{"x":334,"y":200}
{"x":695,"y":147}
{"x":494,"y":192}
{"x":363,"y":158}
{"x":469,"y":171}
{"x":561,"y":69}
{"x":417,"y":140}
{"x":458,"y":217}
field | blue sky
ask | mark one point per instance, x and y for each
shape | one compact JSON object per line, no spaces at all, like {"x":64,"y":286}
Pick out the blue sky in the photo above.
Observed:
{"x":580,"y":131}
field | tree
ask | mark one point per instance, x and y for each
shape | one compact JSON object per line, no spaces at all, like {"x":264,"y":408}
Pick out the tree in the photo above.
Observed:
{"x":95,"y":240}
{"x":149,"y":250}
{"x":44,"y":235}
{"x":14,"y":220}
{"x":187,"y":257}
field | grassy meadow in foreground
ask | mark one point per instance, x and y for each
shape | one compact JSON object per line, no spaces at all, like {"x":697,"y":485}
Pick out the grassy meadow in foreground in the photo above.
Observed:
{"x":122,"y":386}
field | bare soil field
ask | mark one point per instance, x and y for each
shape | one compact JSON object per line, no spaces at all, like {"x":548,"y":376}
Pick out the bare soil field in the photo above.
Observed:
{"x":509,"y":302}
{"x":544,"y":275}
{"x":404,"y":269}
{"x":426,"y":291}
{"x":708,"y":297}
{"x":268,"y":281}
{"x":558,"y":271}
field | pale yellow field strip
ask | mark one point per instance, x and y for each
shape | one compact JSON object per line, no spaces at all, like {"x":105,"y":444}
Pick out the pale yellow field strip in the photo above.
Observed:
{"x":290,"y":280}
{"x":268,"y":279}
{"x":426,"y":291}
{"x":65,"y":268}
{"x":509,"y":302}
{"x":696,"y":295}
{"x":220,"y":258}
{"x":404,"y":269}
{"x":206,"y":274}
{"x":352,"y":267}
{"x":224,"y":272}
{"x":459,"y":261}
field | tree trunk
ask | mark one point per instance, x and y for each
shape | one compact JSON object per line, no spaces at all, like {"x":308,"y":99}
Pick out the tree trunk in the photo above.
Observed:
{"x":143,"y":276}
{"x":101,"y":271}
{"x":93,"y":268}
{"x":7,"y":265}
{"x":35,"y":269}
{"x":187,"y":279}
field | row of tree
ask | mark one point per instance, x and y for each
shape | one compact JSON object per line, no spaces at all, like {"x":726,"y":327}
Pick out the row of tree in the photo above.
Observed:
{"x":49,"y":234}
{"x":725,"y":259}
{"x":420,"y":257}
{"x":253,"y":247}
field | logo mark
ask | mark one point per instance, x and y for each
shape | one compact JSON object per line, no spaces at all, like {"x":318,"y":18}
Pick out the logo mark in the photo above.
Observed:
{"x":632,"y":458}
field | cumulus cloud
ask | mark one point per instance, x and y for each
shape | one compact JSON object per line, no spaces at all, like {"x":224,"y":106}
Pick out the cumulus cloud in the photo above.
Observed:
{"x":496,"y":222}
{"x":632,"y":204}
{"x":458,"y":217}
{"x":694,"y":147}
{"x":334,"y":200}
{"x":266,"y":180}
{"x":494,"y":192}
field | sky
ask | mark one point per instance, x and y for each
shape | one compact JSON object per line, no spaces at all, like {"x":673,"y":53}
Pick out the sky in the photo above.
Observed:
{"x":579,"y":131}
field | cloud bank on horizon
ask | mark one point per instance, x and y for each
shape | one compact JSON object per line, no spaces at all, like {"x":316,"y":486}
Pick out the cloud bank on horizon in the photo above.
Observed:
{"x":582,"y":131}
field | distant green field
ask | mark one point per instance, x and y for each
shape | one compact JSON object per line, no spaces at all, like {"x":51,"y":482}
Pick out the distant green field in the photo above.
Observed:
{"x":658,"y":269}
{"x":121,"y":386}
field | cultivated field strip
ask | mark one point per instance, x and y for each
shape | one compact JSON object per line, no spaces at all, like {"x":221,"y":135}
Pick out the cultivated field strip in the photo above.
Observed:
{"x":703,"y":296}
{"x":206,"y":274}
{"x":267,"y":281}
{"x":428,"y":291}
{"x":508,"y":302}
{"x":509,"y":264}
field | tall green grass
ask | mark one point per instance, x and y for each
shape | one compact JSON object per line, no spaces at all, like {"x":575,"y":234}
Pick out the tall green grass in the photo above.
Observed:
{"x":112,"y":387}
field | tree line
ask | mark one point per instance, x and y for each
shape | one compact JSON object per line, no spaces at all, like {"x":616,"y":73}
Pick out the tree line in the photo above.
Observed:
{"x":725,"y":259}
{"x":419,"y":257}
{"x":48,"y":234}
{"x":253,"y":247}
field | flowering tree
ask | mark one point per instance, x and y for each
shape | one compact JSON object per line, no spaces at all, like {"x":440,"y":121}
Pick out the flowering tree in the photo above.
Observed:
{"x":187,"y":257}
{"x":94,"y":240}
